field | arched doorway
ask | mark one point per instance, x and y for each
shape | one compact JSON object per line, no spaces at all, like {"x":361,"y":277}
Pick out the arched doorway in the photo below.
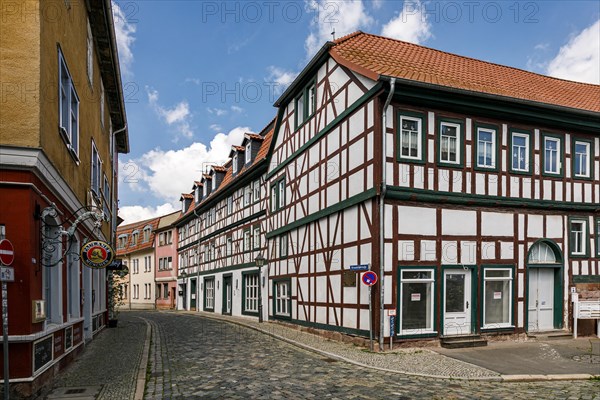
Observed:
{"x":544,"y":286}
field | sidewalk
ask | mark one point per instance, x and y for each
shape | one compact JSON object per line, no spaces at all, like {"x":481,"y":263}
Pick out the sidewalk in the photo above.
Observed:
{"x":108,"y":368}
{"x":534,"y":360}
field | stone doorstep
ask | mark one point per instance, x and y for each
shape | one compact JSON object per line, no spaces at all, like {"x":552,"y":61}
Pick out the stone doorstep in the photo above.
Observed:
{"x":75,"y":393}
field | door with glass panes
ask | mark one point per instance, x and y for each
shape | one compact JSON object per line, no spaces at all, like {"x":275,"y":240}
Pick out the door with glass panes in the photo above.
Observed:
{"x":227,"y":292}
{"x":457,"y":302}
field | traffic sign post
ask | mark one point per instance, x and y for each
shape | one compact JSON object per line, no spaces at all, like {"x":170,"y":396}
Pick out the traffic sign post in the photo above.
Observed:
{"x":369,"y":278}
{"x":7,"y":274}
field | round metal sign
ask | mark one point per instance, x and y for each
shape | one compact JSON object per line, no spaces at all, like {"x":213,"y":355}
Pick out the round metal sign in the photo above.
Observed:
{"x":7,"y":252}
{"x":369,"y":278}
{"x":97,"y":254}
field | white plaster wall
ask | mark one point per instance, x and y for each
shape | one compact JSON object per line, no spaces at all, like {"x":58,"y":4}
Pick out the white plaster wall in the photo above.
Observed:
{"x":459,"y":222}
{"x":416,"y":220}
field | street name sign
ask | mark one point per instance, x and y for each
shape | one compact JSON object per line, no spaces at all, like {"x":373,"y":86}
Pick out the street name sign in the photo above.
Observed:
{"x":359,"y":267}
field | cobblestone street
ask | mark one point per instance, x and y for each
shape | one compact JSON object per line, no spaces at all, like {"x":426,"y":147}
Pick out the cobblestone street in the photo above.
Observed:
{"x":196,"y":357}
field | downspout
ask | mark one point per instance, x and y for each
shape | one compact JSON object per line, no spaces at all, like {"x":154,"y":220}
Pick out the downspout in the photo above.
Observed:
{"x":381,"y":213}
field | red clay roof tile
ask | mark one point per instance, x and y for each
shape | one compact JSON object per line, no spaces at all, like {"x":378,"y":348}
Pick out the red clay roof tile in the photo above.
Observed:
{"x":374,"y":56}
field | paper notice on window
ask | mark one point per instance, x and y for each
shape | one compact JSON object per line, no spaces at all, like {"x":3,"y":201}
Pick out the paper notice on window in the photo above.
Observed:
{"x":415,"y":297}
{"x":497,"y":295}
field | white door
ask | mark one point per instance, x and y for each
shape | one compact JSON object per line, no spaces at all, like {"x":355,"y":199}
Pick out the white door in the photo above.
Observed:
{"x":457,"y":298}
{"x":541,"y":299}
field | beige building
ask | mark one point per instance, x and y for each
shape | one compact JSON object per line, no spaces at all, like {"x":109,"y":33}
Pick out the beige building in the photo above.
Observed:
{"x":62,"y":123}
{"x":135,"y":246}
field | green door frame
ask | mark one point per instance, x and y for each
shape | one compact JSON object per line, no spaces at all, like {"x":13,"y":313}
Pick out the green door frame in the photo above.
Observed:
{"x":193,"y":294}
{"x":558,"y":268}
{"x":227,"y":279}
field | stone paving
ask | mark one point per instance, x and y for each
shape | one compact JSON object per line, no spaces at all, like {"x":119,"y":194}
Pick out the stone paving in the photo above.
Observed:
{"x":411,"y":361}
{"x":111,"y":360}
{"x":210,"y":359}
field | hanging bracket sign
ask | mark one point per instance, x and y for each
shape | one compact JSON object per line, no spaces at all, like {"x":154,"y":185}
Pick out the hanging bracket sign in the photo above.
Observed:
{"x":97,"y":254}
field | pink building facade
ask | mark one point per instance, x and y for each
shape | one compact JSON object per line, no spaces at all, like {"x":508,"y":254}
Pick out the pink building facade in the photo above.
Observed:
{"x":165,"y":275}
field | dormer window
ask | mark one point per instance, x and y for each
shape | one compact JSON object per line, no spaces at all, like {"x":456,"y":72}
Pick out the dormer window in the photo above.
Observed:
{"x":214,"y":183}
{"x":147,"y":231}
{"x":234,"y":164}
{"x":182,"y":206}
{"x":134,"y":238}
{"x":197,"y":194}
{"x":248,"y":152}
{"x":204,"y":190}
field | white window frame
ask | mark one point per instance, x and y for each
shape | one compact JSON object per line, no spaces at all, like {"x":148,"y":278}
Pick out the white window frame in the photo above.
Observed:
{"x":229,"y":246}
{"x":234,"y":163}
{"x":251,"y":288}
{"x":582,"y":239}
{"x":557,"y":155}
{"x":283,"y":245}
{"x":587,"y":156}
{"x":256,"y":238}
{"x":230,"y":205}
{"x":510,"y":279}
{"x":256,"y":189}
{"x":283,"y":302}
{"x":96,"y":170}
{"x":248,"y":151}
{"x":247,"y":240}
{"x":458,"y":142}
{"x":493,"y":133}
{"x":68,"y":104}
{"x":213,"y":183}
{"x":281,"y":194}
{"x":247,"y":195}
{"x":209,"y":294}
{"x":90,"y":55}
{"x":512,"y":154}
{"x":102,"y":103}
{"x":431,"y":280}
{"x":419,"y":142}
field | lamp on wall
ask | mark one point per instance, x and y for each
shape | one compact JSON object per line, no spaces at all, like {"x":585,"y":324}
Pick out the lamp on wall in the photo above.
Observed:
{"x":260,"y":262}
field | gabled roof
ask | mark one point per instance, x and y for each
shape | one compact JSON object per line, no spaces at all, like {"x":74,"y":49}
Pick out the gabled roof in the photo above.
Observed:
{"x":376,"y":57}
{"x":228,"y":180}
{"x":186,"y":196}
{"x":236,"y":148}
{"x":139,"y":227}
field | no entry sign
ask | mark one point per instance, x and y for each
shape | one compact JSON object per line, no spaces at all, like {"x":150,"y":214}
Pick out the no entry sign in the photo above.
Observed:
{"x":7,"y":252}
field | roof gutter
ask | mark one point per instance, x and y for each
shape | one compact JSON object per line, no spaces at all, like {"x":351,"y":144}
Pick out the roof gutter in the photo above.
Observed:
{"x":496,"y":97}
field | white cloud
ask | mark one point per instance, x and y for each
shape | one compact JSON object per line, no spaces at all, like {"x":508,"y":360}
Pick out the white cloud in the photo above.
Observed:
{"x":579,"y":59}
{"x":343,"y":16}
{"x":377,"y":4}
{"x":237,"y":109}
{"x":133,"y":214}
{"x":216,"y":111}
{"x":410,"y":25}
{"x":215,"y":127}
{"x":178,"y":116}
{"x":124,"y":31}
{"x":167,"y":174}
{"x":280,"y":78}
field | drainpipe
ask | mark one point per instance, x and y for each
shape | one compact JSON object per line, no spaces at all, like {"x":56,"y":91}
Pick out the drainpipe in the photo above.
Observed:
{"x":381,"y":213}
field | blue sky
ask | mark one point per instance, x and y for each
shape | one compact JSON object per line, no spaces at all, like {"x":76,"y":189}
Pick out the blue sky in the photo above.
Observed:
{"x":198,"y":74}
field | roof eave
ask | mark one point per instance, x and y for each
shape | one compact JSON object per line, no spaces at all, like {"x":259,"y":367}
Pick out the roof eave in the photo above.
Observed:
{"x":318,"y":58}
{"x":484,"y":95}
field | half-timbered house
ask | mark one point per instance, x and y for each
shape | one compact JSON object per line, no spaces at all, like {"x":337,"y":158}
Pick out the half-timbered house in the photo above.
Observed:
{"x":222,"y":232}
{"x":471,"y":188}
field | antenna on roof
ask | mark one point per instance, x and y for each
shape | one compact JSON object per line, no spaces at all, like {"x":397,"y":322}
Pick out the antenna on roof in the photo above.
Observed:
{"x":333,"y":33}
